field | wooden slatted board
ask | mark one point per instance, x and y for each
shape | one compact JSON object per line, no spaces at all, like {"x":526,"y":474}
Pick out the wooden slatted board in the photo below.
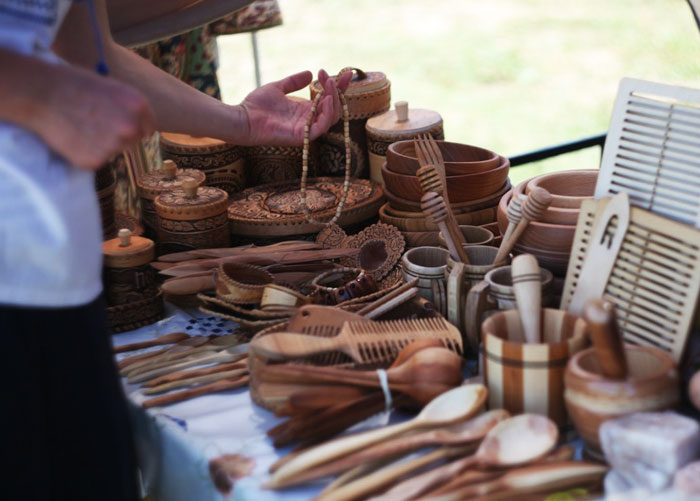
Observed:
{"x":655,"y":279}
{"x":652,"y":150}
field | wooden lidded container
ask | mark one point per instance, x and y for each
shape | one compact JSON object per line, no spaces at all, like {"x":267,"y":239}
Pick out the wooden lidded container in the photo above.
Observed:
{"x":222,"y":162}
{"x":132,"y":293}
{"x":154,"y":183}
{"x":193,"y":217}
{"x":397,"y":125}
{"x":368,"y":94}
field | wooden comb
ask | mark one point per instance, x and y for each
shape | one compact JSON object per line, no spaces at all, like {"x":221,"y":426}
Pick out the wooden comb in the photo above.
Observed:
{"x":364,"y":342}
{"x":433,"y":206}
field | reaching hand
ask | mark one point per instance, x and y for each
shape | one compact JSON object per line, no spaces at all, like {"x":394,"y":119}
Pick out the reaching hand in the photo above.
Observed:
{"x":273,"y":119}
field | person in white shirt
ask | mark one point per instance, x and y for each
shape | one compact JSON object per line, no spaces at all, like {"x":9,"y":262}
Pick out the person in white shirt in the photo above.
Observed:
{"x":59,"y":121}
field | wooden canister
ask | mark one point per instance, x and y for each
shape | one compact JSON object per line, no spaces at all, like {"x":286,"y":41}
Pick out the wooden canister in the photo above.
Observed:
{"x":427,"y":264}
{"x":150,"y":185}
{"x":529,"y":377}
{"x":368,"y":94}
{"x":397,"y":125}
{"x":222,"y":163}
{"x":271,"y":164}
{"x":131,"y":290}
{"x":193,"y":217}
{"x":105,"y":185}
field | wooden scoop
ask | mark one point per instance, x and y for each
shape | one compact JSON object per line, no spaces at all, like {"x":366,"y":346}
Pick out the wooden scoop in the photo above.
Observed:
{"x":515,"y":441}
{"x":451,"y":407}
{"x":606,"y":338}
{"x":173,"y":337}
{"x":527,"y":286}
{"x":535,"y":204}
{"x":458,"y":434}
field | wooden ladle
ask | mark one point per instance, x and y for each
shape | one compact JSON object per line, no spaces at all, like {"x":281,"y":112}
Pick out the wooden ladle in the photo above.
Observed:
{"x":527,"y":287}
{"x":515,"y":441}
{"x":451,"y":407}
{"x":458,"y":434}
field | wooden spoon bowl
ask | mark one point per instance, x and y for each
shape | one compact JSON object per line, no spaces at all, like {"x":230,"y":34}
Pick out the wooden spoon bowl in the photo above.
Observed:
{"x":459,"y":158}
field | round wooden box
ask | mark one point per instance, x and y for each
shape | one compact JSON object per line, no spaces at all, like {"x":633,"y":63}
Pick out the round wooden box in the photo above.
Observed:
{"x":397,"y":125}
{"x":131,"y":289}
{"x":161,"y":181}
{"x":272,"y":164}
{"x":368,"y":94}
{"x":193,"y":217}
{"x":222,"y":163}
{"x":274,"y":210}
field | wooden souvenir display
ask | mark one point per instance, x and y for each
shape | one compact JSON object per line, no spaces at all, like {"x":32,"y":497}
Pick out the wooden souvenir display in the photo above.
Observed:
{"x":654,"y":279}
{"x":368,"y":94}
{"x":105,"y":185}
{"x":652,"y":149}
{"x":192,"y":218}
{"x":131,"y":289}
{"x":396,"y":125}
{"x":152,"y":184}
{"x":275,"y":210}
{"x":221,"y":162}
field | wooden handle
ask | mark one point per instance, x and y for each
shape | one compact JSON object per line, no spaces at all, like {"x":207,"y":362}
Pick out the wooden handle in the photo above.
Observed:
{"x":527,"y":286}
{"x":197,"y":381}
{"x":535,"y":204}
{"x":171,"y":338}
{"x":433,"y":205}
{"x":477,"y":304}
{"x":195,"y":392}
{"x":389,"y":297}
{"x":455,"y":282}
{"x":394,"y":303}
{"x":198,"y":359}
{"x":182,"y":286}
{"x":606,"y":338}
{"x":186,"y":374}
{"x":285,"y":345}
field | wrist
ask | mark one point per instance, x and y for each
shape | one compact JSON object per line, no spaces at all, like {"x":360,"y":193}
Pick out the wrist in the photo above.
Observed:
{"x":239,"y":125}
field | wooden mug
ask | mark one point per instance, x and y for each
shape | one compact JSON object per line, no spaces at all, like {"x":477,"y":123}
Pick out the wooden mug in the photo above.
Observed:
{"x":473,"y":235}
{"x":427,"y":264}
{"x":495,"y":293}
{"x":529,"y":377}
{"x":461,"y":278}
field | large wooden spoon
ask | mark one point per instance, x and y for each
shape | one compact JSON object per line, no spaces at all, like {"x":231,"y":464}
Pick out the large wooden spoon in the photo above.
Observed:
{"x":173,"y":337}
{"x":457,"y":434}
{"x":451,"y":407}
{"x":515,"y":441}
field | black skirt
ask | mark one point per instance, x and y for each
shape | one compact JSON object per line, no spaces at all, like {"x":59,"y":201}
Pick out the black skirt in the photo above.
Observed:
{"x":67,"y":434}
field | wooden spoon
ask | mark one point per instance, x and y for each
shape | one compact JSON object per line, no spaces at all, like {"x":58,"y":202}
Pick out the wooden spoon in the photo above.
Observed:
{"x":606,"y":338}
{"x":239,"y":370}
{"x":173,"y":337}
{"x":515,"y":441}
{"x":453,"y":406}
{"x":527,"y":286}
{"x":223,"y":385}
{"x":182,"y":345}
{"x":457,"y":434}
{"x":239,"y":361}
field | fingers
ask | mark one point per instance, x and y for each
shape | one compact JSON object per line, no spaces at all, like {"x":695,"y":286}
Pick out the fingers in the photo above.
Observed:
{"x":325,"y":117}
{"x":331,"y":92}
{"x":344,"y":81}
{"x":294,"y":82}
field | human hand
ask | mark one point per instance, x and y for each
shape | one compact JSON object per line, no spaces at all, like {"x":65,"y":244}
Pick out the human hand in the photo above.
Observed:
{"x":270,"y":118}
{"x":91,"y":118}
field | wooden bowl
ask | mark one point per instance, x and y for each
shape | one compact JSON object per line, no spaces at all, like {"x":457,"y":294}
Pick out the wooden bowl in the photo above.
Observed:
{"x":591,"y":398}
{"x":529,"y":377}
{"x":551,"y":215}
{"x":473,"y":235}
{"x":423,"y":223}
{"x":460,"y":188}
{"x":459,"y":158}
{"x":545,"y":236}
{"x":568,"y":188}
{"x":421,"y":238}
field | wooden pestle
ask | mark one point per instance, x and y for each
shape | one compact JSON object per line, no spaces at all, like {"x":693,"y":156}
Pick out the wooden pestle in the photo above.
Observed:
{"x":430,"y":180}
{"x":527,"y":286}
{"x":434,"y":207}
{"x":535,"y":204}
{"x":606,"y":338}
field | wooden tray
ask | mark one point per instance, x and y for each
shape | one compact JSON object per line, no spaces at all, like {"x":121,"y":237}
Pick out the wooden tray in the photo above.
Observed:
{"x":655,"y":278}
{"x":274,"y":210}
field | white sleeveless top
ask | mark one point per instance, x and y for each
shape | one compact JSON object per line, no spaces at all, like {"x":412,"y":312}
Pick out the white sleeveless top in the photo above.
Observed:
{"x":50,"y":235}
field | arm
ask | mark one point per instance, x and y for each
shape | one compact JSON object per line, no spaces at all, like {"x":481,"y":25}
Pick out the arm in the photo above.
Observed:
{"x":265,"y":117}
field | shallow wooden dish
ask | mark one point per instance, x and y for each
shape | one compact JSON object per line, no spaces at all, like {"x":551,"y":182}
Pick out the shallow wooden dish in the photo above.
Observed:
{"x":592,"y":399}
{"x":568,"y":188}
{"x":551,"y":215}
{"x":423,"y":223}
{"x":398,"y":203}
{"x":459,"y":158}
{"x":460,"y":188}
{"x":545,"y":236}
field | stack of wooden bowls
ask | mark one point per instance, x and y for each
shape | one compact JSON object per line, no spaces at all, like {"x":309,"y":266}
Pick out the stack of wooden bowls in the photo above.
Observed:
{"x":551,"y":238}
{"x":476,"y":180}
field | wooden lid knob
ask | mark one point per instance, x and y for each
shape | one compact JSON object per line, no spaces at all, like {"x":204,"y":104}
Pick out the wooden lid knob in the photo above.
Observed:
{"x":401,"y":108}
{"x":124,"y":236}
{"x":169,"y":170}
{"x":190,"y":186}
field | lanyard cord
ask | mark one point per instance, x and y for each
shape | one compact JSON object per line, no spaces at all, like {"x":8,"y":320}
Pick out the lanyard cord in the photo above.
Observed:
{"x":101,"y":66}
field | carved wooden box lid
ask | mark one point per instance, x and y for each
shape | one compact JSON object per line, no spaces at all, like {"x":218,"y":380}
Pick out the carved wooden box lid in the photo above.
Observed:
{"x":275,"y":209}
{"x":369,"y":93}
{"x":168,"y":178}
{"x":401,"y":122}
{"x":127,"y":250}
{"x":191,"y":202}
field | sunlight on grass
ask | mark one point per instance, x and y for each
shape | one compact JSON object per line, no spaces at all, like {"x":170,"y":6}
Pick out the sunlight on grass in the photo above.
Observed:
{"x":509,"y":75}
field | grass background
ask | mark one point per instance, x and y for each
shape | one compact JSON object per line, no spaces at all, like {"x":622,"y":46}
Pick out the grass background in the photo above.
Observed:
{"x":508,"y":75}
